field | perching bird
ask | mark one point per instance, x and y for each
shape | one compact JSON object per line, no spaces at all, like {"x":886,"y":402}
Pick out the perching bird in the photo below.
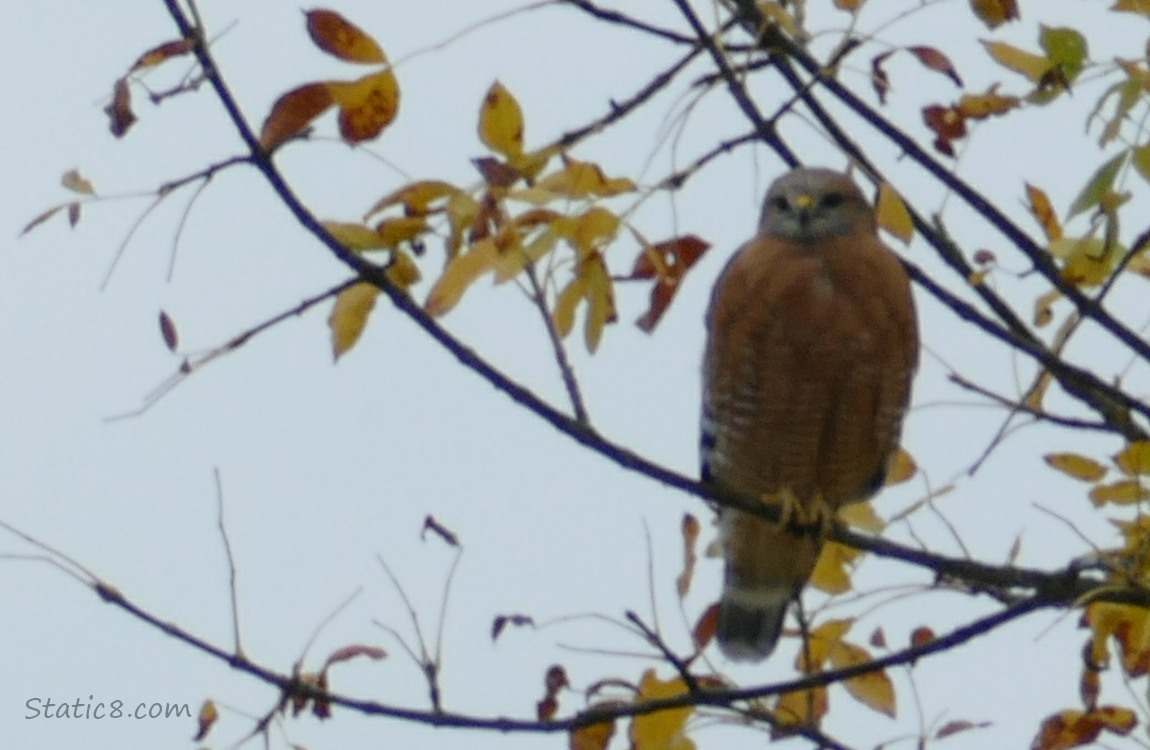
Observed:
{"x":811,"y":347}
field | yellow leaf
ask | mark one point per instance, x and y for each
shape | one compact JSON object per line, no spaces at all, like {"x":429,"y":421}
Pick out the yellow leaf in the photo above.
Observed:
{"x":355,"y":237}
{"x":592,"y":736}
{"x":1044,"y":311}
{"x":73,"y":181}
{"x":1122,"y":492}
{"x":799,"y":708}
{"x":460,"y":273}
{"x":337,"y":36}
{"x":873,"y":689}
{"x":775,"y":13}
{"x":366,"y":106}
{"x":823,"y":640}
{"x":1134,"y":460}
{"x":862,"y":516}
{"x":401,"y":229}
{"x":1132,"y":6}
{"x":402,"y":270}
{"x":832,"y":571}
{"x":581,"y":179}
{"x":593,"y":229}
{"x":994,"y":13}
{"x":661,"y":730}
{"x":209,"y":714}
{"x":1087,"y":261}
{"x":1076,"y":466}
{"x":893,"y":215}
{"x":416,"y":197}
{"x":293,"y":112}
{"x":501,"y":122}
{"x":1033,"y":66}
{"x":900,"y":468}
{"x":600,"y":301}
{"x":563,"y":316}
{"x":1043,"y":210}
{"x":982,"y":106}
{"x":349,"y":316}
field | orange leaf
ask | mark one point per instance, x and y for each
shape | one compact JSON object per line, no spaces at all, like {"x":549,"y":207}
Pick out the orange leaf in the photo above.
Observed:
{"x":293,"y":112}
{"x":921,"y":636}
{"x":501,"y":121}
{"x":1076,"y":466}
{"x":1042,"y":209}
{"x":366,"y":106}
{"x":706,"y":627}
{"x":1073,"y":728}
{"x":690,"y":530}
{"x":207,"y":718}
{"x":337,"y":36}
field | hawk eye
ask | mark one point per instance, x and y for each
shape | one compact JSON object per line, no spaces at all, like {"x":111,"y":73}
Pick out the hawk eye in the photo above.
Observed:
{"x":832,"y":200}
{"x":780,"y":203}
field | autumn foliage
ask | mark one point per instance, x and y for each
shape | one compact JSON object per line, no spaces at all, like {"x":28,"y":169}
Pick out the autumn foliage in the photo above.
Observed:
{"x":540,"y":217}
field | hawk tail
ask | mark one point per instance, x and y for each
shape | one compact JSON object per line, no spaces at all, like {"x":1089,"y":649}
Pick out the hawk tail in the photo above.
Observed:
{"x":750,"y":622}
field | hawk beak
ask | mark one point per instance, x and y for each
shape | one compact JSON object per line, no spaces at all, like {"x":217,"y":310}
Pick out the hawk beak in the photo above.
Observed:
{"x":805,"y":205}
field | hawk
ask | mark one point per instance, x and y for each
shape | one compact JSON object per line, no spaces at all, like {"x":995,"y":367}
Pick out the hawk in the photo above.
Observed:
{"x":812,"y":343}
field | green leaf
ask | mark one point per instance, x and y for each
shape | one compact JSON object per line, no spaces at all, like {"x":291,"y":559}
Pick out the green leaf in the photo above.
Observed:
{"x":1100,"y":184}
{"x":1066,"y":48}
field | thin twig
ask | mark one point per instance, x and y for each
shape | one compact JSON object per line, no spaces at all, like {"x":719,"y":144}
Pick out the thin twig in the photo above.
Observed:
{"x":238,"y":648}
{"x":539,"y":298}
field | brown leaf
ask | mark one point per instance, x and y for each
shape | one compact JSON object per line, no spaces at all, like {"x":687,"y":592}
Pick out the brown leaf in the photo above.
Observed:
{"x":43,"y":217}
{"x":556,"y":679}
{"x":878,"y":75}
{"x":168,"y":331}
{"x":348,"y":653}
{"x":546,"y":709}
{"x":994,"y":13}
{"x":496,"y":173}
{"x":878,"y":638}
{"x":293,"y":112}
{"x":207,"y":718}
{"x":957,"y":726}
{"x":948,"y":125}
{"x":161,"y":53}
{"x":73,"y":214}
{"x":690,"y":531}
{"x":921,"y":636}
{"x":1072,"y":728}
{"x":935,"y":60}
{"x":434,"y":526}
{"x":119,"y":110}
{"x":706,"y":627}
{"x":337,"y":36}
{"x":500,"y":623}
{"x":667,"y":262}
{"x":366,"y":106}
{"x":74,"y":181}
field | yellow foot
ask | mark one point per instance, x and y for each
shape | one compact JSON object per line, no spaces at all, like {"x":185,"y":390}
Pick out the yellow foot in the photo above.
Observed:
{"x":794,"y":515}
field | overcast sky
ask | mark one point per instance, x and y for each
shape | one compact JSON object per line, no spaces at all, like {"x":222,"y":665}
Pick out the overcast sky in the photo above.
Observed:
{"x":327,"y":467}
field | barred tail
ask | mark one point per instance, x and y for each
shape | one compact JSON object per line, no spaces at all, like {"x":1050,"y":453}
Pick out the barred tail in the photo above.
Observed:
{"x":750,"y":622}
